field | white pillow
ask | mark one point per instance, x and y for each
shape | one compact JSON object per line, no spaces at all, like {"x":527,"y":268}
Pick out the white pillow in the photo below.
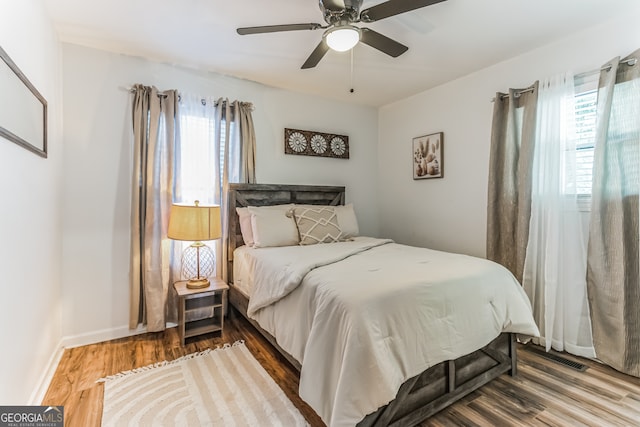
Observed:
{"x":272,"y":227}
{"x":347,"y":220}
{"x":244,"y":217}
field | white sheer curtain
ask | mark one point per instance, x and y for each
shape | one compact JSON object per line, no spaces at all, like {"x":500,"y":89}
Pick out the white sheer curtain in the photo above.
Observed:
{"x":200,"y":164}
{"x":198,"y":158}
{"x":555,"y":265}
{"x":216,"y":146}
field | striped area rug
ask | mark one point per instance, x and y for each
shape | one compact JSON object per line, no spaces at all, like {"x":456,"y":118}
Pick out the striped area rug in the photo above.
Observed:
{"x":221,"y":387}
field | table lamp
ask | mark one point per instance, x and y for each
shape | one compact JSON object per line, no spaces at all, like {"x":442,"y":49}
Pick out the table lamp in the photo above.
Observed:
{"x":196,"y":223}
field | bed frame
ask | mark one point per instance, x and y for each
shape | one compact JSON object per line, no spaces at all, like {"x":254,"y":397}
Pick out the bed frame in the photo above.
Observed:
{"x":420,"y":396}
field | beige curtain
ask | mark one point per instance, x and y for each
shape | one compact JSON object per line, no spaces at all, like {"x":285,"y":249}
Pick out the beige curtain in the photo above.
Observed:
{"x":152,"y":189}
{"x":612,"y":265}
{"x":239,"y":163}
{"x":509,"y":192}
{"x":244,"y":121}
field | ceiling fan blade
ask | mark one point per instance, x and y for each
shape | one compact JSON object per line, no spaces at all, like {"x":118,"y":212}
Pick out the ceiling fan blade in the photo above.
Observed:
{"x":382,"y":43}
{"x":277,"y":28}
{"x":317,"y":54}
{"x":393,"y":7}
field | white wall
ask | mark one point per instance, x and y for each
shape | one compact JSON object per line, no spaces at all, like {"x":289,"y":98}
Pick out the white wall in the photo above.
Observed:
{"x":450,"y":213}
{"x":97,"y":169}
{"x":30,"y":226}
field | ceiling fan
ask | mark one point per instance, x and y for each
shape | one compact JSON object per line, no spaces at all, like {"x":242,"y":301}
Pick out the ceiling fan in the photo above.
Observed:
{"x":340,"y":33}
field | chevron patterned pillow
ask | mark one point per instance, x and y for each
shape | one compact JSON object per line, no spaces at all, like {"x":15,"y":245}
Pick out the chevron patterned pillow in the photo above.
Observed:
{"x":317,"y":224}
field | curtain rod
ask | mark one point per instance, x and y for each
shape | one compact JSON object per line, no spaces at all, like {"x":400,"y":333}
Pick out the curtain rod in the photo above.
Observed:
{"x":203,"y":100}
{"x":630,"y":62}
{"x":160,"y":94}
{"x":516,"y":94}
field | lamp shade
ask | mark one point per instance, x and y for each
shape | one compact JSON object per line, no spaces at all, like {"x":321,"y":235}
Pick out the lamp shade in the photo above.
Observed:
{"x":342,"y":38}
{"x":194,"y":223}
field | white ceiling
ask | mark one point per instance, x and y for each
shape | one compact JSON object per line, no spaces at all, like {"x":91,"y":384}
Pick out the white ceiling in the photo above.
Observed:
{"x":446,"y":41}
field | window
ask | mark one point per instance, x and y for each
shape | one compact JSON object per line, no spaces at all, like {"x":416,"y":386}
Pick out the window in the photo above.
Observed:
{"x":199,"y":161}
{"x":585,"y":131}
{"x":621,"y":139}
{"x":199,"y":164}
{"x":581,"y":123}
{"x":195,"y":171}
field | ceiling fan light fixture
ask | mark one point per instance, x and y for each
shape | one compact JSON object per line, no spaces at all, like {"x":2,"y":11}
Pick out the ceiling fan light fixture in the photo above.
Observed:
{"x":342,"y":38}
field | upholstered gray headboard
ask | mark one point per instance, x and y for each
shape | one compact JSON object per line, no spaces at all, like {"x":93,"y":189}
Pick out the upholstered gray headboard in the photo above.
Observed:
{"x":242,"y":195}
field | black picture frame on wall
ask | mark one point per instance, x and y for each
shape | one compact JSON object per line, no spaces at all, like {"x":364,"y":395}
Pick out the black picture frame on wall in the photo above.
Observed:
{"x":23,"y":110}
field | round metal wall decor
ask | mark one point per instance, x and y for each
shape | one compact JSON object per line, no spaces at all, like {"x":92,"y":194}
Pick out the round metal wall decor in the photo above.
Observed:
{"x":297,"y":142}
{"x":319,"y":144}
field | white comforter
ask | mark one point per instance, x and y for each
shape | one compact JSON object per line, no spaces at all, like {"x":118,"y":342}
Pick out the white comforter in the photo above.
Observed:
{"x":362,"y":317}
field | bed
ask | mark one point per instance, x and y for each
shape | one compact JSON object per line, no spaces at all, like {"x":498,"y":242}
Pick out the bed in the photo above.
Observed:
{"x":347,"y":377}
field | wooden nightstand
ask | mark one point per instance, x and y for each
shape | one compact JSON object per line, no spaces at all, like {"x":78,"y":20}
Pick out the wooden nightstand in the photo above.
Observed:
{"x":201,"y":311}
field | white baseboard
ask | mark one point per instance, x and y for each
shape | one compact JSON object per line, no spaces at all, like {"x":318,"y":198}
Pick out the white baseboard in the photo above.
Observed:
{"x":87,"y":338}
{"x":102,"y":335}
{"x":46,"y":376}
{"x":77,"y":341}
{"x":105,"y":335}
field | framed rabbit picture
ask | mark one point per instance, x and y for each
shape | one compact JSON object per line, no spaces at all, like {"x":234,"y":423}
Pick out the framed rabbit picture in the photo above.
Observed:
{"x":427,"y":156}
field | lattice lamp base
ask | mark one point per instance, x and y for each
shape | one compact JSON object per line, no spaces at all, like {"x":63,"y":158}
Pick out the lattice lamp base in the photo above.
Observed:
{"x":198,"y":263}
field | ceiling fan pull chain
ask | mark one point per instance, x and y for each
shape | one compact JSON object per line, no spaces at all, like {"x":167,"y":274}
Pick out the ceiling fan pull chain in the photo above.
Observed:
{"x":351,"y":75}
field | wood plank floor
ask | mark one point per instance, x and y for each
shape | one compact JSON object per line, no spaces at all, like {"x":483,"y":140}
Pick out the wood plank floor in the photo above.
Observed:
{"x":543,"y":394}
